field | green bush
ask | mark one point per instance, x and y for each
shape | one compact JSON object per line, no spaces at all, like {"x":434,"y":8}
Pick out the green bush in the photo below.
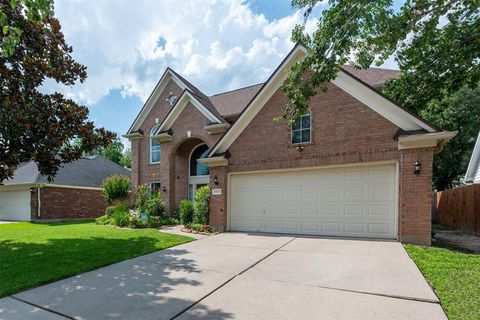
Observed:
{"x":103,"y":220}
{"x":136,"y":222}
{"x":154,"y":222}
{"x":142,"y":196}
{"x":155,"y":206}
{"x":199,"y":227}
{"x":201,"y":205}
{"x":120,"y":219}
{"x":116,"y":188}
{"x":185,"y":211}
{"x":170,"y":221}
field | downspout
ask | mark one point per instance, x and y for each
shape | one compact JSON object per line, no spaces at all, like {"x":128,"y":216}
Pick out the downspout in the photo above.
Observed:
{"x":39,"y":203}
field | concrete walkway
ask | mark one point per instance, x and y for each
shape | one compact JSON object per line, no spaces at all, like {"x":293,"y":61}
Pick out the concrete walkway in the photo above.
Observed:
{"x":242,"y":276}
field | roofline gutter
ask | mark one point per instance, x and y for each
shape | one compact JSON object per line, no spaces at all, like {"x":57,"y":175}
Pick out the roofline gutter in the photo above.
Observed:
{"x":26,"y":186}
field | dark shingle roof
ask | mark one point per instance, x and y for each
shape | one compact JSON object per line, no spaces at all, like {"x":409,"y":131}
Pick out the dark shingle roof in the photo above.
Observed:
{"x":373,"y":76}
{"x":231,"y":103}
{"x":85,"y":172}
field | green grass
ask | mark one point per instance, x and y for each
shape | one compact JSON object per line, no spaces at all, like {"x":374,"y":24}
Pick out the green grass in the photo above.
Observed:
{"x":33,"y":254}
{"x":455,"y":277}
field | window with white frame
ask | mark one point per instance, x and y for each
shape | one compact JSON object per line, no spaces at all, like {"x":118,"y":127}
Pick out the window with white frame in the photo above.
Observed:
{"x":155,"y":151}
{"x":155,"y":186}
{"x":302,"y":129}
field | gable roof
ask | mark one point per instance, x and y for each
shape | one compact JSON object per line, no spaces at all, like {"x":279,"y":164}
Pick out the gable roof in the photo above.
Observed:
{"x":229,"y":105}
{"x":84,"y":172}
{"x":473,"y":170}
{"x":186,"y":97}
{"x":201,"y":97}
{"x":344,"y":80}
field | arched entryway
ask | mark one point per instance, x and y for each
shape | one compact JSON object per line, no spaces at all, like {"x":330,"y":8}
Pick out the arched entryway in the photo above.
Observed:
{"x":189,"y":175}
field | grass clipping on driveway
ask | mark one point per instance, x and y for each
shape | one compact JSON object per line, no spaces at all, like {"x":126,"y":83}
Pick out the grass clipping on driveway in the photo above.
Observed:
{"x":455,"y":277}
{"x":33,"y":254}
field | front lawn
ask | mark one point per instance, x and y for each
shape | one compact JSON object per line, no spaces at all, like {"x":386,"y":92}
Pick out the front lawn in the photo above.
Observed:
{"x":455,"y":277}
{"x":33,"y":254}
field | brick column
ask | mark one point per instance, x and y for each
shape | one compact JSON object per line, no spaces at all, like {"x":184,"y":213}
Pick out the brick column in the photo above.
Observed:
{"x":218,"y":203}
{"x":135,"y":162}
{"x":415,"y":212}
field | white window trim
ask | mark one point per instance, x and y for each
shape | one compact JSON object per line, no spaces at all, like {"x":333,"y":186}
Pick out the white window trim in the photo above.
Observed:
{"x":152,"y":131}
{"x":152,"y":182}
{"x":190,"y":161}
{"x":311,"y":129}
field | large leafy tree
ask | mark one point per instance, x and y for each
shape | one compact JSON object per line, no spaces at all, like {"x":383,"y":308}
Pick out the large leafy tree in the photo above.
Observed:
{"x":34,"y":125}
{"x":435,"y":43}
{"x":460,"y":112}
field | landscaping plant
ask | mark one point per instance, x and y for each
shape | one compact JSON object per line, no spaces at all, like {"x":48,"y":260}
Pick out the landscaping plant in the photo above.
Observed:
{"x":116,"y":188}
{"x":154,"y":206}
{"x":201,"y":205}
{"x":185,"y":211}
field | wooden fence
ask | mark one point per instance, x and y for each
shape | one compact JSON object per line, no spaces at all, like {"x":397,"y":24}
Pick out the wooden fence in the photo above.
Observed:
{"x":459,"y":208}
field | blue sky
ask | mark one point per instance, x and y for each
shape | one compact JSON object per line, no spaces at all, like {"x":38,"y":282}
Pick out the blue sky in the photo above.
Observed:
{"x":126,"y":46}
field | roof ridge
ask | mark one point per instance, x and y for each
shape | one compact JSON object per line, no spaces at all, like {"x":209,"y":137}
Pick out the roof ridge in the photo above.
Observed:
{"x":378,"y":68}
{"x":241,"y":88}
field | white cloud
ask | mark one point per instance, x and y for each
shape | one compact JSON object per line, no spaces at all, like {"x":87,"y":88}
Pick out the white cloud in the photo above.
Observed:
{"x":217,"y":45}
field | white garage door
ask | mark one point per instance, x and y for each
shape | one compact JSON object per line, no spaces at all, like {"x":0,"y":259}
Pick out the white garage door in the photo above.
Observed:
{"x":355,"y":201}
{"x":15,"y":205}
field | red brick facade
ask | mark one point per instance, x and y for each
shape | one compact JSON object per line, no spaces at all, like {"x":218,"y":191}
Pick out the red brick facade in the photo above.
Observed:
{"x":344,"y":131}
{"x":67,"y":203}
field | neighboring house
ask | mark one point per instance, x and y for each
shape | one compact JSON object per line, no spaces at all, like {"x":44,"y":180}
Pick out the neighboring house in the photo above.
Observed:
{"x":74,"y":193}
{"x":345,"y":169}
{"x":473,"y":170}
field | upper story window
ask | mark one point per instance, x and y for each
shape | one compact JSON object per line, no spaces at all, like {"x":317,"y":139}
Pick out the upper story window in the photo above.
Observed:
{"x":198,"y":169}
{"x":155,"y":151}
{"x":171,"y":99}
{"x":301,"y":130}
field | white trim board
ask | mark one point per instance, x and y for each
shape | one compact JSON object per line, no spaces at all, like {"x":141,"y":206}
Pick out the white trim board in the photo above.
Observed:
{"x":182,"y":102}
{"x":344,"y":81}
{"x":152,"y":99}
{"x":474,"y":162}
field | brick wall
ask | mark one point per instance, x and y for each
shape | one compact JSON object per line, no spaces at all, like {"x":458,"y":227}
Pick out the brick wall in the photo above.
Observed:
{"x":415,"y":214}
{"x":344,"y":131}
{"x":67,"y":203}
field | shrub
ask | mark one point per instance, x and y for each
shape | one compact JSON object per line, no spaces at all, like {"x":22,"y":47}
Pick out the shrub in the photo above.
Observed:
{"x":142,"y":196}
{"x":154,"y":222}
{"x":115,"y":188}
{"x":170,"y":221}
{"x":120,"y":219}
{"x":103,"y":220}
{"x":185,"y":211}
{"x":136,"y":222}
{"x":155,"y":206}
{"x":199,"y":227}
{"x":201,"y":205}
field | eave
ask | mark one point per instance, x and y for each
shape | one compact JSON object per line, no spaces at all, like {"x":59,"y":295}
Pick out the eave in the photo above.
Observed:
{"x":435,"y":140}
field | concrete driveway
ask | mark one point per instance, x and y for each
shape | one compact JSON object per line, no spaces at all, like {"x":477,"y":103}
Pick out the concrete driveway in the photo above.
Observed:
{"x":243,"y":276}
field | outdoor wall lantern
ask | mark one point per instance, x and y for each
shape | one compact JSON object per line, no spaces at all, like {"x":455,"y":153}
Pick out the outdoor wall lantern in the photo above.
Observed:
{"x":418,"y":166}
{"x":215,"y":180}
{"x":164,"y":189}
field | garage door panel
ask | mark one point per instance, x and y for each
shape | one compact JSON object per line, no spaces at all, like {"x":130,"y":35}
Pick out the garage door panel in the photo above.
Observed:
{"x":355,"y":209}
{"x":15,"y":205}
{"x":357,"y":201}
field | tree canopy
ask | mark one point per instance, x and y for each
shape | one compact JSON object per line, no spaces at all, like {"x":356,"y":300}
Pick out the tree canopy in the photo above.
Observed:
{"x":35,"y":125}
{"x":435,"y":43}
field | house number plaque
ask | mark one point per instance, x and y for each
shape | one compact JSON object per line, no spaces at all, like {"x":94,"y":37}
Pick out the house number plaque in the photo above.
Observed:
{"x":216,"y":192}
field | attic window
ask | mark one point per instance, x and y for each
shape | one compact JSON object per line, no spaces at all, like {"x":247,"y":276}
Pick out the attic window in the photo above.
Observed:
{"x":171,"y":99}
